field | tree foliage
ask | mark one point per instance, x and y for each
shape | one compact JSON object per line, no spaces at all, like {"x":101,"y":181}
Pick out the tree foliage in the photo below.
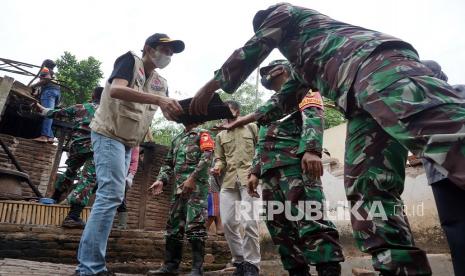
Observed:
{"x":333,"y":117}
{"x":81,"y":76}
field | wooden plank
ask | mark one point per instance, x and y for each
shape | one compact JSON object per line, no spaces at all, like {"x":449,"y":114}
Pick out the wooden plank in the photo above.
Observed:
{"x":42,"y":215}
{"x":8,"y":210}
{"x":53,"y":216}
{"x":2,"y":212}
{"x":13,"y":213}
{"x":30,"y":215}
{"x":5,"y":87}
{"x":47,"y":215}
{"x":19,"y":213}
{"x":24,"y":215}
{"x":39,"y":215}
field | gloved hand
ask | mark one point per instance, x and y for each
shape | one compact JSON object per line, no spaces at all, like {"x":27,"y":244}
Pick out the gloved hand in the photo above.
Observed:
{"x":129,"y":180}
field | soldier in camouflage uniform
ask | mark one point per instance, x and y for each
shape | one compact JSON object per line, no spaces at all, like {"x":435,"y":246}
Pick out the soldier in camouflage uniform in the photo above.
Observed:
{"x":393,"y":105}
{"x":187,"y":162}
{"x":80,"y":156}
{"x":277,"y":162}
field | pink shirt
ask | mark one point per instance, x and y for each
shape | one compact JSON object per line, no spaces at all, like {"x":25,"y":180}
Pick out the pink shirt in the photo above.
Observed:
{"x":134,"y":160}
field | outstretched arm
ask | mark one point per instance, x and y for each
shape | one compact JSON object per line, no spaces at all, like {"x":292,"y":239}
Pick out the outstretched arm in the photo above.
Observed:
{"x":243,"y":61}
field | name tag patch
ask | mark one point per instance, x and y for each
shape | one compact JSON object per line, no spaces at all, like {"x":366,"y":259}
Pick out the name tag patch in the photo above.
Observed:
{"x":312,"y":99}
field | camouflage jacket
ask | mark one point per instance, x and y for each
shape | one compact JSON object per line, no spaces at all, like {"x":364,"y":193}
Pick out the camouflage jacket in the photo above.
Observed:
{"x":80,"y":116}
{"x":284,"y":140}
{"x":189,"y":155}
{"x":324,"y":53}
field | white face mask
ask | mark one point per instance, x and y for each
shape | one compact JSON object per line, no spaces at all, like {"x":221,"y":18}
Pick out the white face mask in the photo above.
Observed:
{"x":161,"y":60}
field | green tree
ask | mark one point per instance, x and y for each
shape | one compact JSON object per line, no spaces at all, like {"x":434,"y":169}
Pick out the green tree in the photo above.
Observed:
{"x":81,"y":76}
{"x":333,"y":117}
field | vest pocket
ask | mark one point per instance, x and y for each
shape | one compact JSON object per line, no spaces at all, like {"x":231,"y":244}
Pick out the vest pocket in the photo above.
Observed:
{"x":128,"y":124}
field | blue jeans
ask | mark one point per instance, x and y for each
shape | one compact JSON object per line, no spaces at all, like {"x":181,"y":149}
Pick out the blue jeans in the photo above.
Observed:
{"x":111,"y":159}
{"x":49,"y":98}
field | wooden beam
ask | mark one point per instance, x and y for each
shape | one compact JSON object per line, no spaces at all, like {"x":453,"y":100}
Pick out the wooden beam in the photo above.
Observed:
{"x":5,"y":87}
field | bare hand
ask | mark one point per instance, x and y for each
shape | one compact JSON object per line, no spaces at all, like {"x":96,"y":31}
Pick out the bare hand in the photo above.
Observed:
{"x":156,"y":188}
{"x":252,"y":186}
{"x":231,"y":125}
{"x":39,"y":107}
{"x":312,"y":165}
{"x":170,"y":108}
{"x":215,"y":171}
{"x":188,"y":186}
{"x":199,"y":104}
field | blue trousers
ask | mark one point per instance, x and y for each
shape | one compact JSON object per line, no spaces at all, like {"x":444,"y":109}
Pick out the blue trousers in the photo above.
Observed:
{"x":111,"y":159}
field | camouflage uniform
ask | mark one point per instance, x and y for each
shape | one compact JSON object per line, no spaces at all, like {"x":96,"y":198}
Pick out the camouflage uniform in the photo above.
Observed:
{"x":187,"y":157}
{"x":277,"y":162}
{"x":80,"y":154}
{"x":392,"y":104}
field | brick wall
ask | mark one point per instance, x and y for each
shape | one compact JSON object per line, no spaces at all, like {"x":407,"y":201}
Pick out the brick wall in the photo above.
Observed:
{"x":155,"y":210}
{"x":35,"y":158}
{"x":55,"y":244}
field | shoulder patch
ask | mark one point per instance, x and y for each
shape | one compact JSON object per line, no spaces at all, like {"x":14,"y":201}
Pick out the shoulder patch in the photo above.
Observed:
{"x":312,"y":99}
{"x":206,"y":141}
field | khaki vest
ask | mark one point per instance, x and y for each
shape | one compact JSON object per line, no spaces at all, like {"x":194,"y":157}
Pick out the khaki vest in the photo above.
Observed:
{"x":128,"y":122}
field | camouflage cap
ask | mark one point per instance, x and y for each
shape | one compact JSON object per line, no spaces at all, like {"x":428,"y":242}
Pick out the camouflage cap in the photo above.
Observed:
{"x":266,"y":69}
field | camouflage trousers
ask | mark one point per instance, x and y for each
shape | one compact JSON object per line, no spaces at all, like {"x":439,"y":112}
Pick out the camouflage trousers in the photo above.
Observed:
{"x":397,"y":107}
{"x":81,"y":191}
{"x":301,"y":241}
{"x":187,"y":216}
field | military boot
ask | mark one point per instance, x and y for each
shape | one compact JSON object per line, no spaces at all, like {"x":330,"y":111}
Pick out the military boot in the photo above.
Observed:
{"x":198,"y":253}
{"x":328,"y":269}
{"x":122,"y":220}
{"x":73,"y":219}
{"x":173,"y":256}
{"x":249,"y":269}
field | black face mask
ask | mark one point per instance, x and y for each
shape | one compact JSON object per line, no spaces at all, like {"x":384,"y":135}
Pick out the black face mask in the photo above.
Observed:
{"x":266,"y":81}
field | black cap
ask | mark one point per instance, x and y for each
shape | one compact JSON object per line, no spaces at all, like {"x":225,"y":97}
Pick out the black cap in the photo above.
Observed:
{"x":436,"y":69}
{"x":279,"y":62}
{"x":162,"y":39}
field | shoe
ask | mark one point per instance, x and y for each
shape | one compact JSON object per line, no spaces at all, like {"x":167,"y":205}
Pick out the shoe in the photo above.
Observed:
{"x":105,"y":273}
{"x":102,"y":273}
{"x":165,"y":270}
{"x":249,"y":269}
{"x":299,"y":271}
{"x":328,"y":269}
{"x":70,"y":223}
{"x":198,"y":253}
{"x":239,"y":269}
{"x":41,"y":139}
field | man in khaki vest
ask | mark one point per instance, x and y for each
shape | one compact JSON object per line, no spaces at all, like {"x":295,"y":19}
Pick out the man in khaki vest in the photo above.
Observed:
{"x":130,"y":98}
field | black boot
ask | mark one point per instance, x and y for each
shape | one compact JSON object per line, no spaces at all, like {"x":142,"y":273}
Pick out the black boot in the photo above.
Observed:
{"x":249,"y":269}
{"x":173,"y":256}
{"x":239,"y":269}
{"x":328,"y":269}
{"x":198,"y":253}
{"x":299,"y":271}
{"x":73,"y":219}
{"x":56,"y":195}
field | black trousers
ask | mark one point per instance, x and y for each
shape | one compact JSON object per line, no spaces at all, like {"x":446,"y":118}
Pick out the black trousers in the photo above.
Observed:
{"x":450,"y":201}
